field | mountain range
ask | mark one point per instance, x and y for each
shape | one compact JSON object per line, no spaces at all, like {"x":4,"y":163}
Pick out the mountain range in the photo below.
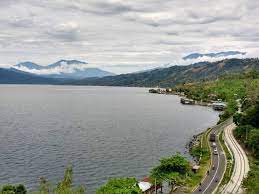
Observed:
{"x":163,"y":77}
{"x":69,"y":69}
{"x":173,"y":75}
{"x":14,"y":76}
{"x":213,"y":55}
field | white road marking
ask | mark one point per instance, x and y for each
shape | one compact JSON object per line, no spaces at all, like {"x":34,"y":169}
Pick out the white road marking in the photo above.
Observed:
{"x":213,"y":176}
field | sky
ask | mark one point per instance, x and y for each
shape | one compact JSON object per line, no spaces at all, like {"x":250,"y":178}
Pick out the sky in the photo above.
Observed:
{"x":125,"y":36}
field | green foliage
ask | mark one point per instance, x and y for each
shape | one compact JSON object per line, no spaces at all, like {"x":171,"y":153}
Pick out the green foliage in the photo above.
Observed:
{"x":248,"y":133}
{"x":250,"y":116}
{"x":120,"y":186}
{"x":229,"y":88}
{"x":251,"y":182}
{"x":13,"y":189}
{"x":253,"y":142}
{"x":198,"y":151}
{"x":168,"y":77}
{"x":172,"y":170}
{"x":248,"y":128}
{"x":241,"y":132}
{"x":63,"y":187}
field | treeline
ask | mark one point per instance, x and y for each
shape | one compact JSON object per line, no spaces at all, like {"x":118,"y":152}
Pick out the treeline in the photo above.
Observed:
{"x":174,"y":170}
{"x":247,"y":132}
{"x":63,"y":187}
{"x":228,"y":88}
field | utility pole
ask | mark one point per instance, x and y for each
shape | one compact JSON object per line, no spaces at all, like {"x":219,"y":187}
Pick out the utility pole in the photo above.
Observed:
{"x":246,"y":133}
{"x":155,"y":186}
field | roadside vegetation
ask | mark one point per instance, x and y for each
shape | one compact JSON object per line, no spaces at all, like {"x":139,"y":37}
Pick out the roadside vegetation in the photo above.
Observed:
{"x":63,"y":187}
{"x":176,"y":170}
{"x":228,"y":88}
{"x":231,"y":88}
{"x":247,"y":133}
{"x":230,"y":162}
{"x":201,"y":151}
{"x":120,"y":185}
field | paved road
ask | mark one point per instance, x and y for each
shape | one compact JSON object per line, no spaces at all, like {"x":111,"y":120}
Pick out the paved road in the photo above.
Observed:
{"x":211,"y":181}
{"x":241,"y":167}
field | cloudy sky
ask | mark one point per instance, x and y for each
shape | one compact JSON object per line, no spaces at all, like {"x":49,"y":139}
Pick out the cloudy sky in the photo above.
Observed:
{"x":122,"y":36}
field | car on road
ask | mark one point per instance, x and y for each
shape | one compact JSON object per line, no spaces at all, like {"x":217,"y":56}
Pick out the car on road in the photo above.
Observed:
{"x":212,"y":137}
{"x":214,"y":145}
{"x":215,"y":152}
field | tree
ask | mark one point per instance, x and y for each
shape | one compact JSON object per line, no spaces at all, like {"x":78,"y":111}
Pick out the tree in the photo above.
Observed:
{"x":175,"y":179}
{"x":63,"y":187}
{"x":172,"y":170}
{"x":242,"y":132}
{"x":20,"y":189}
{"x":120,"y":186}
{"x":251,"y":116}
{"x":12,"y":189}
{"x":253,"y":141}
{"x":8,"y":189}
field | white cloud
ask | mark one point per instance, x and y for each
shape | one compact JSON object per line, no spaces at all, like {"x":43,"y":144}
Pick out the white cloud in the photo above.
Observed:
{"x":136,"y":32}
{"x":7,"y":66}
{"x":63,"y":68}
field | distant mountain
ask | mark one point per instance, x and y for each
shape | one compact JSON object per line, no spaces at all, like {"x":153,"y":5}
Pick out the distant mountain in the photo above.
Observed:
{"x":171,"y":76}
{"x":29,"y":65}
{"x":213,"y":55}
{"x":68,"y":69}
{"x":65,"y":62}
{"x":14,"y":76}
{"x":81,"y":74}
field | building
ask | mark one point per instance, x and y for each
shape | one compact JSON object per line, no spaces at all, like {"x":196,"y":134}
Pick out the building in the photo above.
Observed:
{"x":147,"y":187}
{"x":219,"y":106}
{"x":187,"y":101}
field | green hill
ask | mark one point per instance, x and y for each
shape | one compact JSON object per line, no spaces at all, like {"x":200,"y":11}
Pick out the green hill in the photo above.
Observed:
{"x":167,"y":77}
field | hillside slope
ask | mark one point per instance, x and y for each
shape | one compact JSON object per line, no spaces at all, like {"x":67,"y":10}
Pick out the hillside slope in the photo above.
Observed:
{"x":14,"y":76}
{"x":66,"y":69}
{"x":176,"y":74}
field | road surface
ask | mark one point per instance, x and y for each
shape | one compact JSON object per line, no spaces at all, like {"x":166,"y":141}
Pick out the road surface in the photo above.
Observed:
{"x":241,"y":166}
{"x":212,"y":180}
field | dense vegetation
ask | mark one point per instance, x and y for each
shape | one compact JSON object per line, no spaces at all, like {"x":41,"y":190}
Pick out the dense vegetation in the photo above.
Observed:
{"x":13,"y":189}
{"x":247,"y":132}
{"x":173,"y":170}
{"x":202,"y":154}
{"x":235,"y":89}
{"x":171,"y":76}
{"x":119,"y":186}
{"x":228,"y":88}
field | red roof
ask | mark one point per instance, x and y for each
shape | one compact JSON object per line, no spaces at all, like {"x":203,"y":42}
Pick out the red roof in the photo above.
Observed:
{"x":147,"y":179}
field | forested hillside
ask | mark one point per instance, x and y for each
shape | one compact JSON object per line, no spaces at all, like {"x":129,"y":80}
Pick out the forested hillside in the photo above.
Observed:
{"x":167,"y":77}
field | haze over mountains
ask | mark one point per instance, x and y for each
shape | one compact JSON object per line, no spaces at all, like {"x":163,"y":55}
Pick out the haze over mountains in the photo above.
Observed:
{"x":214,"y":55}
{"x":69,"y":69}
{"x":163,"y":77}
{"x":14,"y":76}
{"x":166,"y":77}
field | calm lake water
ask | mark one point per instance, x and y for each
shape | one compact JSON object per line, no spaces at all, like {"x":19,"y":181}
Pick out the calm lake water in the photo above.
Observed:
{"x":103,"y":132}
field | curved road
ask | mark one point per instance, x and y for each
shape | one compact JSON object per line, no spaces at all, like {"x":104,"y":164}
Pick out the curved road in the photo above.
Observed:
{"x":241,"y":167}
{"x":212,"y":180}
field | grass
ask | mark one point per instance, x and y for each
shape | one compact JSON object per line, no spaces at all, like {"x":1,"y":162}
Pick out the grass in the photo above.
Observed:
{"x":205,"y":161}
{"x":230,"y":162}
{"x":251,"y":182}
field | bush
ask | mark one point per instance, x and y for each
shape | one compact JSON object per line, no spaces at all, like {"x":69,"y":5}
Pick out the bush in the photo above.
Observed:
{"x":14,"y":189}
{"x":119,"y":186}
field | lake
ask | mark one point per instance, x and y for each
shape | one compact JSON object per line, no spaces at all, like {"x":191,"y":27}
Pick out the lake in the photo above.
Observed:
{"x":102,"y":132}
